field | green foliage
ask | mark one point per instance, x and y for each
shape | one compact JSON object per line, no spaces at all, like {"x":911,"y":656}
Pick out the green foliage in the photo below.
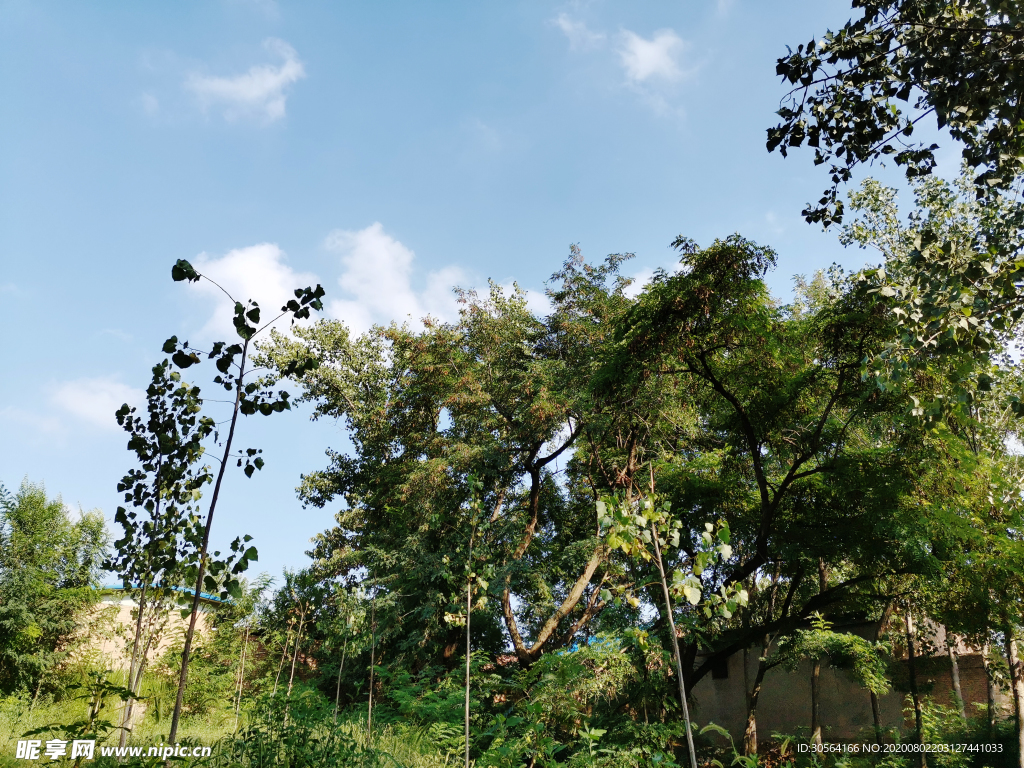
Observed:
{"x":432,"y":700}
{"x":738,"y":758}
{"x":950,"y":281}
{"x":481,"y":450}
{"x":306,"y":738}
{"x":498,"y":395}
{"x":956,"y":60}
{"x":631,"y":525}
{"x":866,"y":660}
{"x":94,"y":725}
{"x":756,"y":414}
{"x":250,"y":396}
{"x":49,"y":565}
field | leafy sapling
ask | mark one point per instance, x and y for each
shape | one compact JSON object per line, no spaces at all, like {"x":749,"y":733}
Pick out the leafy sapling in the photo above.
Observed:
{"x":160,"y":495}
{"x":349,"y":613}
{"x":250,"y":396}
{"x":642,"y":527}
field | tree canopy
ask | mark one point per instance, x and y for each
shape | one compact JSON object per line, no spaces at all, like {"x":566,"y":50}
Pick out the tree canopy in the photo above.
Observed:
{"x":741,"y":410}
{"x":49,"y":566}
{"x":858,"y":93}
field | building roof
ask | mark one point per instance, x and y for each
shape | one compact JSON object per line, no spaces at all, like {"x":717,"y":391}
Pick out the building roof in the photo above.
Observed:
{"x":203,"y":596}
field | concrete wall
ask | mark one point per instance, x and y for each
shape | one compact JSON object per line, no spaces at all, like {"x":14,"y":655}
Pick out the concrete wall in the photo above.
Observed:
{"x":114,"y":614}
{"x":784,"y":705}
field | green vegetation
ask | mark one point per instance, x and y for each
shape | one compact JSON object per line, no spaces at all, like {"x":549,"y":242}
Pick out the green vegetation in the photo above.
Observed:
{"x":49,"y":563}
{"x":552,"y":527}
{"x":555,"y":527}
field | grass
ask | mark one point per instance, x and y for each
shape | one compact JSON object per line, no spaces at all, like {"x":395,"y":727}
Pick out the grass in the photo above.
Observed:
{"x":408,"y":747}
{"x":404,"y":747}
{"x":16,"y":718}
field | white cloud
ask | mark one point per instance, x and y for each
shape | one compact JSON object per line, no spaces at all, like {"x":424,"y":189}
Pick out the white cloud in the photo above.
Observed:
{"x":654,"y":59}
{"x":580,"y":36}
{"x":259,"y":92}
{"x":379,"y":283}
{"x":94,"y":401}
{"x":150,"y":104}
{"x":640,"y":281}
{"x":377,"y":273}
{"x":37,"y":429}
{"x":259,"y":272}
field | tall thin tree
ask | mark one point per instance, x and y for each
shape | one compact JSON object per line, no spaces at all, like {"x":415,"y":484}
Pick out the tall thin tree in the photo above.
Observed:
{"x":250,"y":397}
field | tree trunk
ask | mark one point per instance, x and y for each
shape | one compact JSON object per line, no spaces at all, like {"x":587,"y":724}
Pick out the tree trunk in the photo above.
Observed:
{"x":127,"y":712}
{"x":746,"y":694}
{"x":816,"y":670}
{"x":990,"y":690}
{"x":469,"y":610}
{"x":190,"y":632}
{"x":295,"y":653}
{"x":1017,"y":687}
{"x":954,"y":670}
{"x":284,"y":655}
{"x":373,"y":647}
{"x":241,"y":675}
{"x":675,"y":647}
{"x":750,"y":733}
{"x":876,"y":714}
{"x":135,"y":684}
{"x":815,"y":704}
{"x":295,"y":656}
{"x":39,"y":685}
{"x":912,"y":668}
{"x":337,"y":689}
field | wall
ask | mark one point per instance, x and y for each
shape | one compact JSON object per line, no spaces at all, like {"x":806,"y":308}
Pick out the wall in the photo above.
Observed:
{"x":784,"y":705}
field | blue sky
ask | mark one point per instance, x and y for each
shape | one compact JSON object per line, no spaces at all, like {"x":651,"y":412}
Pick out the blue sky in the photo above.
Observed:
{"x":386,"y":150}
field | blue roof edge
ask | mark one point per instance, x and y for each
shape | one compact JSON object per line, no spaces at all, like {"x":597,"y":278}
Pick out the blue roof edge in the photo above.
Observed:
{"x":184,"y":590}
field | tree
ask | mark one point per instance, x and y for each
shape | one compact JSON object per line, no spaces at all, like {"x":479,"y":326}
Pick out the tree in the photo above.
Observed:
{"x":821,"y":644}
{"x":151,"y":557}
{"x":500,"y":394}
{"x":950,"y":282}
{"x":766,"y":423}
{"x":250,"y":396}
{"x":957,"y":61}
{"x":305,"y":595}
{"x":341,"y":623}
{"x":49,"y":567}
{"x":636,"y":524}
